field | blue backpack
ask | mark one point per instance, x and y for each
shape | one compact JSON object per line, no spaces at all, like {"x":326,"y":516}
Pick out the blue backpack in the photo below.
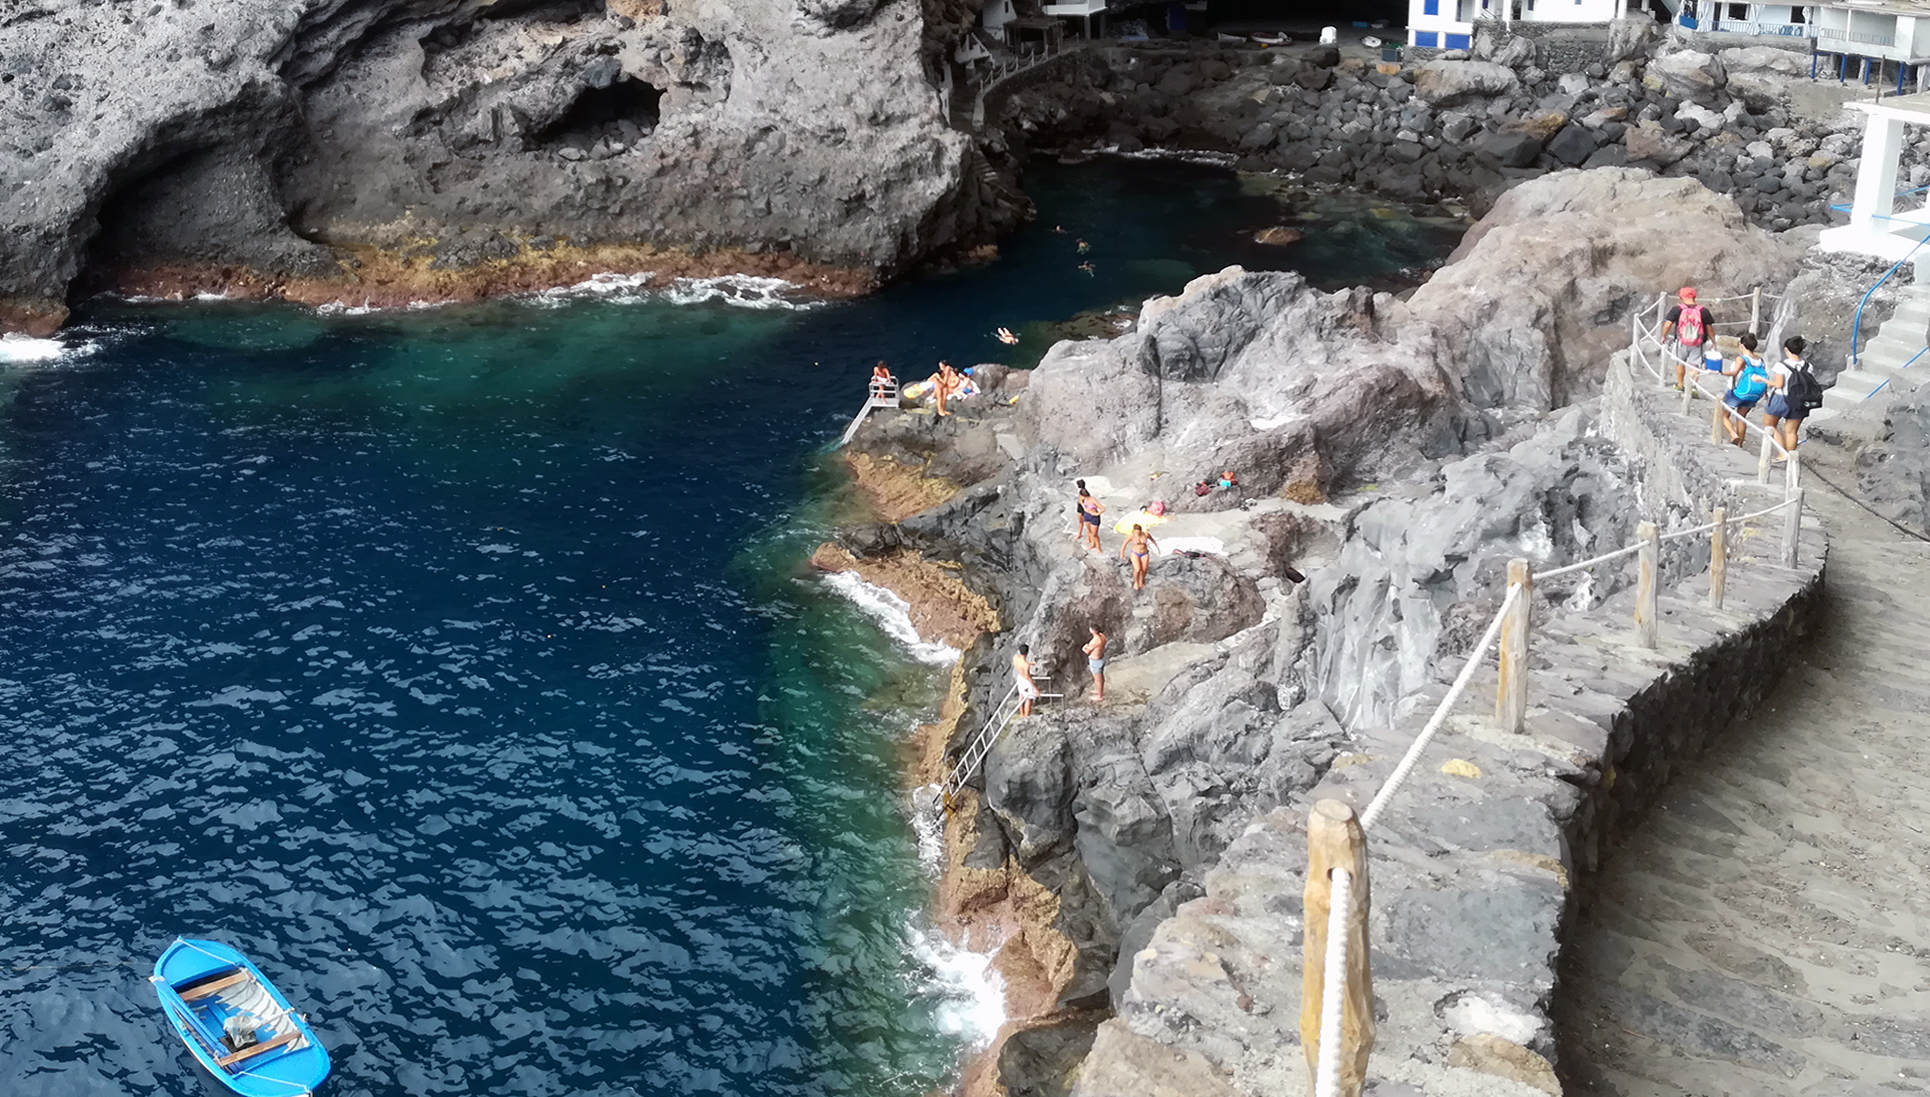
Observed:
{"x":1751,"y":383}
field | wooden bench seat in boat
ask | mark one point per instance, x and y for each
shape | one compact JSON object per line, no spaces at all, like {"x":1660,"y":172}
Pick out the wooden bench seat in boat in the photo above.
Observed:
{"x":202,"y":990}
{"x":253,"y":1050}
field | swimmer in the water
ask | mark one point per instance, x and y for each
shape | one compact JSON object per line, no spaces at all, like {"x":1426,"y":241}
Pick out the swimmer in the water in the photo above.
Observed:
{"x":1084,"y":247}
{"x":1005,"y":336}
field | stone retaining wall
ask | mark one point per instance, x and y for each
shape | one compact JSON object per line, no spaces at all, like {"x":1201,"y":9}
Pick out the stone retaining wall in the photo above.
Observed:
{"x":1478,"y":864}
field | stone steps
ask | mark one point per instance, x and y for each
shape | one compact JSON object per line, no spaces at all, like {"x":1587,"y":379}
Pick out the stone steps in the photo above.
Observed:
{"x":1889,"y":360}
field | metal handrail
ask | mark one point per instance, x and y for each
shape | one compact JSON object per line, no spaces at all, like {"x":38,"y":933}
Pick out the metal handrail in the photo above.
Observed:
{"x":1856,"y":325}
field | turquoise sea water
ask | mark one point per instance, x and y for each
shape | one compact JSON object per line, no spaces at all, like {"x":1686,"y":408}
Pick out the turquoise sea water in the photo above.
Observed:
{"x":458,"y":666}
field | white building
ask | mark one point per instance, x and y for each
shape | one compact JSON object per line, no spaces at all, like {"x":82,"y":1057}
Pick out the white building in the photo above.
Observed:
{"x":1872,"y":41}
{"x":1788,"y":20}
{"x":1450,"y":24}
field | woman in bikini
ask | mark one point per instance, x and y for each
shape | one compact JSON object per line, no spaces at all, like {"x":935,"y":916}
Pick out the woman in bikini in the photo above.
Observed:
{"x":944,"y":384}
{"x":1089,"y":511}
{"x":1142,"y":547}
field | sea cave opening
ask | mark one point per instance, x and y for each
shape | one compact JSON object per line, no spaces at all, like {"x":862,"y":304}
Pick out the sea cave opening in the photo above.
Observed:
{"x":619,"y":114}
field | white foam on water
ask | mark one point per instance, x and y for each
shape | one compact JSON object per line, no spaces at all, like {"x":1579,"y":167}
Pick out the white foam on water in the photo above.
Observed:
{"x":742,"y":290}
{"x":21,"y":349}
{"x":337,"y":308}
{"x":928,"y":826}
{"x":1218,"y":159}
{"x":970,"y":995}
{"x":893,"y":615}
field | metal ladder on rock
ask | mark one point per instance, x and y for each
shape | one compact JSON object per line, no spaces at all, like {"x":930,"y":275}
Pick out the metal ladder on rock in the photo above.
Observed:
{"x":881,"y":394}
{"x":987,"y":738}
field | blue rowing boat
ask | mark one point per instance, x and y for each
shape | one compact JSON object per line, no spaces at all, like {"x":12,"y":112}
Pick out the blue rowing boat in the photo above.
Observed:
{"x":235,"y":1023}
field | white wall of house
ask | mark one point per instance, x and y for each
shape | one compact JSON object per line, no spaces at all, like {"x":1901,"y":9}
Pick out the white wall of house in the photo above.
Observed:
{"x":1747,"y":18}
{"x":996,"y":14}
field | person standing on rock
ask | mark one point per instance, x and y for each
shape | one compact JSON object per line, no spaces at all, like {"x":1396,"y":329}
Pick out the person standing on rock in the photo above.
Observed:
{"x":1791,"y":383}
{"x":1089,"y":511}
{"x":1095,"y":650}
{"x":1022,"y":674}
{"x":1142,"y":546}
{"x":1692,"y":326}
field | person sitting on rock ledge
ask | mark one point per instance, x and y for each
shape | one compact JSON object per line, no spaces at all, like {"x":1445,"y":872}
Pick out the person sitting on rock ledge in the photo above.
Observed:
{"x":881,"y":379}
{"x":1142,"y":546}
{"x":1692,"y":326}
{"x":944,"y":384}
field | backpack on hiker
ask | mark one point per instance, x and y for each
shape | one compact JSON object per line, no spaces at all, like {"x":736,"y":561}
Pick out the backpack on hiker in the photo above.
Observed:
{"x":1751,"y":382}
{"x":1802,"y":392}
{"x":1692,"y":325}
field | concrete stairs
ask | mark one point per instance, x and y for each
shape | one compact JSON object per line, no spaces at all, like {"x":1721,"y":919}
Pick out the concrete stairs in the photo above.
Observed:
{"x":1889,"y":362}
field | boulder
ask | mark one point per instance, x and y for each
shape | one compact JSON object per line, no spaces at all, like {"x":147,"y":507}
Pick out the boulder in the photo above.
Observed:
{"x":1516,"y":53}
{"x":1689,"y":75}
{"x":1764,"y":59}
{"x":1650,"y":144}
{"x":1511,"y":150}
{"x":1761,"y":91}
{"x":1540,"y":126}
{"x":1573,"y":145}
{"x":1262,"y":369}
{"x":1450,"y":83}
{"x":1537,"y":296}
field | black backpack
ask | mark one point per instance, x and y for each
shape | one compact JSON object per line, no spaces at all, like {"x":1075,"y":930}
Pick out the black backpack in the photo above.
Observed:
{"x":1802,"y":392}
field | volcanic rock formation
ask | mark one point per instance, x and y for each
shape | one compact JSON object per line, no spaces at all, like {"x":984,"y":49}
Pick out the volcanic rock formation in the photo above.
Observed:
{"x":302,"y":138}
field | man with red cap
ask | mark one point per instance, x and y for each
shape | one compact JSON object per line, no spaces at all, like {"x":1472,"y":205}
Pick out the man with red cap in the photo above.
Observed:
{"x":1692,"y":326}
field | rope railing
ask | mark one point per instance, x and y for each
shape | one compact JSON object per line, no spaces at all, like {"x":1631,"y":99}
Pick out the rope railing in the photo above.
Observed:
{"x":1336,"y":1018}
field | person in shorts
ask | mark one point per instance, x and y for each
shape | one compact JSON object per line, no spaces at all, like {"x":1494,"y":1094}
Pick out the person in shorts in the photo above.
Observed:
{"x":1783,"y":415}
{"x":1692,"y":326}
{"x":1751,"y":382}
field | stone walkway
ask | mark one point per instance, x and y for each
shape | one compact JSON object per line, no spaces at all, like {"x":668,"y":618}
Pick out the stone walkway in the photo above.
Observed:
{"x":1766,"y":930}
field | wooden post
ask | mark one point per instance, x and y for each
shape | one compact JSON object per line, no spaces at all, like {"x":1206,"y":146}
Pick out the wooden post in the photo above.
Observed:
{"x":1511,"y":689}
{"x":1647,"y":597}
{"x":1334,"y":840}
{"x":1793,"y":473}
{"x":1719,"y":558}
{"x":1792,"y":527}
{"x":1755,"y":311}
{"x":1763,"y":458}
{"x":1716,"y":433}
{"x":1688,"y":392}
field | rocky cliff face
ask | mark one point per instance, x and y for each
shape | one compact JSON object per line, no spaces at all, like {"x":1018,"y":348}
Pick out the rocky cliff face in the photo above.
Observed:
{"x":1397,"y":453}
{"x":306,"y":138}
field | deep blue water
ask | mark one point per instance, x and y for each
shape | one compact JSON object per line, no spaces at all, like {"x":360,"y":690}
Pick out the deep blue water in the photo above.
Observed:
{"x":456,"y":665}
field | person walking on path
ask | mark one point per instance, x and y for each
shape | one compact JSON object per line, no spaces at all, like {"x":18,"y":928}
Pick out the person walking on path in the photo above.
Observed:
{"x":1692,"y":326}
{"x":1022,"y":674}
{"x":1089,"y":511}
{"x":1142,"y":545}
{"x":1095,"y":650}
{"x":1792,"y":384}
{"x":1751,"y":380}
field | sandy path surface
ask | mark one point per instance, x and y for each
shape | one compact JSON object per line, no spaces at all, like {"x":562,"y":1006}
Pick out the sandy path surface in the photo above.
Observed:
{"x":1766,"y":931}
